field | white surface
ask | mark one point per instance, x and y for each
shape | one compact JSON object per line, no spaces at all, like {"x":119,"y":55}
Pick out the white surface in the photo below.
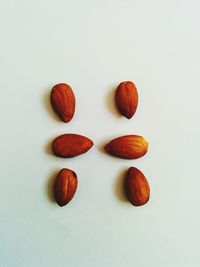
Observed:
{"x":94,"y":45}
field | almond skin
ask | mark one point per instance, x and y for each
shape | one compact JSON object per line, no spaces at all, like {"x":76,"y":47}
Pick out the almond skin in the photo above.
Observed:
{"x":127,"y":99}
{"x":71,"y":145}
{"x":65,"y":186}
{"x":137,"y":187}
{"x":63,"y":101}
{"x":128,"y":147}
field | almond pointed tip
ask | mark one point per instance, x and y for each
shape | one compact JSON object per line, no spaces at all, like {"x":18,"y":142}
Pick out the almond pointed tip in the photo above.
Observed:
{"x":66,"y":120}
{"x":128,"y":116}
{"x":60,"y":205}
{"x":106,"y":148}
{"x":92,"y":143}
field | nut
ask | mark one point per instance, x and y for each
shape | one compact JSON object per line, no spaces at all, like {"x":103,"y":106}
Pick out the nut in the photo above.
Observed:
{"x":71,"y":145}
{"x":127,"y":99}
{"x":137,"y":187}
{"x":65,"y":186}
{"x":127,"y":147}
{"x":63,"y":101}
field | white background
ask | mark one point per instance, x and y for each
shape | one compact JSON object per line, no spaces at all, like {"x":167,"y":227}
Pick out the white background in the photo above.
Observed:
{"x":94,"y":45}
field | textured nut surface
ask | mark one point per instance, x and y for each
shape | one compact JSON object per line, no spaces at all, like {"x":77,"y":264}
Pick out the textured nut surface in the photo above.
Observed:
{"x":137,"y":187}
{"x":63,"y":101}
{"x":127,"y":99}
{"x":65,"y":186}
{"x":127,"y":147}
{"x":71,"y":145}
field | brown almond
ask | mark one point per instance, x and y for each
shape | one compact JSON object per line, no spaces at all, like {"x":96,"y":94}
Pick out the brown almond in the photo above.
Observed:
{"x":65,"y":186}
{"x":71,"y":145}
{"x":63,"y":101}
{"x":137,"y":187}
{"x":127,"y":99}
{"x":127,"y":147}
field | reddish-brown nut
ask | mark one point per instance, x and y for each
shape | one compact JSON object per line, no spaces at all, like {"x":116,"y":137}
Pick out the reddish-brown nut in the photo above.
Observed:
{"x":63,"y":101}
{"x":137,"y":187}
{"x":65,"y":186}
{"x":127,"y":99}
{"x":71,"y":145}
{"x":127,"y":147}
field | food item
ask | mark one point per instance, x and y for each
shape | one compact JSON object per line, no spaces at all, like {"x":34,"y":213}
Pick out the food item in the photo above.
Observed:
{"x":127,"y":99}
{"x":137,"y":187}
{"x":63,"y":101}
{"x":71,"y":145}
{"x":65,"y":186}
{"x":127,"y":147}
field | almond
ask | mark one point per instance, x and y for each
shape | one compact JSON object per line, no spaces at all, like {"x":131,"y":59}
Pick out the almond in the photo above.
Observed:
{"x":127,"y":99}
{"x":137,"y":187}
{"x":65,"y":186}
{"x":128,"y":147}
{"x":63,"y":101}
{"x":71,"y":145}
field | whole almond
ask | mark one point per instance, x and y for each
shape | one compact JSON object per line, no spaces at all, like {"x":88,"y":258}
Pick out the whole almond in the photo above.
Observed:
{"x":65,"y":186}
{"x":137,"y":187}
{"x":127,"y":147}
{"x":71,"y":145}
{"x":63,"y":101}
{"x":127,"y":99}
